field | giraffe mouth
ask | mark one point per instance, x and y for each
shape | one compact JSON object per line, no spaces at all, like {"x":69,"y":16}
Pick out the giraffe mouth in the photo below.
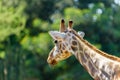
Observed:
{"x":52,"y":62}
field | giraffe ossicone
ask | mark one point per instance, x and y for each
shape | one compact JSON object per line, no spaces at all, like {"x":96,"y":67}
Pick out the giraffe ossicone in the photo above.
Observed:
{"x":100,"y":65}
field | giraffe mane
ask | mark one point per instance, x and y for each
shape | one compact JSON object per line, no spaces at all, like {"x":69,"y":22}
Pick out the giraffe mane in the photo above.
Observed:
{"x":95,"y":49}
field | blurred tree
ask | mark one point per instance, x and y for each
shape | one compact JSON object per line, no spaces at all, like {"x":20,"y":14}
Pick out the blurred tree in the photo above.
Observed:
{"x":12,"y":22}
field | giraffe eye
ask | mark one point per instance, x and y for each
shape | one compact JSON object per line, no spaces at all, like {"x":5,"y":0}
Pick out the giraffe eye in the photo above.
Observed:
{"x":55,"y":41}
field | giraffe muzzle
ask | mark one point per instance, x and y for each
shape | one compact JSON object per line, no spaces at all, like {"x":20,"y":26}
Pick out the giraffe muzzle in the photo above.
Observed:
{"x":51,"y":61}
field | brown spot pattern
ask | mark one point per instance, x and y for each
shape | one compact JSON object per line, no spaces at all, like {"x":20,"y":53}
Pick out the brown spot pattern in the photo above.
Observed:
{"x":97,"y":62}
{"x":97,"y":78}
{"x":106,"y":74}
{"x":117,"y":70}
{"x":74,"y":43}
{"x":83,"y":58}
{"x":74,"y":38}
{"x":66,"y":52}
{"x":80,"y":47}
{"x":68,"y":34}
{"x":93,"y":70}
{"x":60,"y":46}
{"x":86,"y":54}
{"x":74,"y":48}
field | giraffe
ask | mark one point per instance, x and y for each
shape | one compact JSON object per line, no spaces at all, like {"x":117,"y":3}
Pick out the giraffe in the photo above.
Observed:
{"x":100,"y":65}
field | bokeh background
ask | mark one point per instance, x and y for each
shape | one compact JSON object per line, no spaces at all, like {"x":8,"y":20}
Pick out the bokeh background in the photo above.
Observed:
{"x":25,"y":42}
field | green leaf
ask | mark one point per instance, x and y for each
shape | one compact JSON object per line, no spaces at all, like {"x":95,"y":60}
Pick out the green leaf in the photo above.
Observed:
{"x":2,"y":54}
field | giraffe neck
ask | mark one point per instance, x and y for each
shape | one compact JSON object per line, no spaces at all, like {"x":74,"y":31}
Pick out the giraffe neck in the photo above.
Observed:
{"x":95,"y":49}
{"x":98,"y":66}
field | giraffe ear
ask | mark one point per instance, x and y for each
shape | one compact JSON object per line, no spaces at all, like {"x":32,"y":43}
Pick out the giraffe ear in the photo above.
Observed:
{"x":57,"y":35}
{"x":81,"y":34}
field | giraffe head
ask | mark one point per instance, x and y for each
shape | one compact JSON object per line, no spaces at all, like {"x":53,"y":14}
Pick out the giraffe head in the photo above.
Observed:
{"x":65,"y":43}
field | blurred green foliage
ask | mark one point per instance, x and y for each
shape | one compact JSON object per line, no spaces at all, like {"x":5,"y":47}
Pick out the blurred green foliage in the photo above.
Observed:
{"x":25,"y":42}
